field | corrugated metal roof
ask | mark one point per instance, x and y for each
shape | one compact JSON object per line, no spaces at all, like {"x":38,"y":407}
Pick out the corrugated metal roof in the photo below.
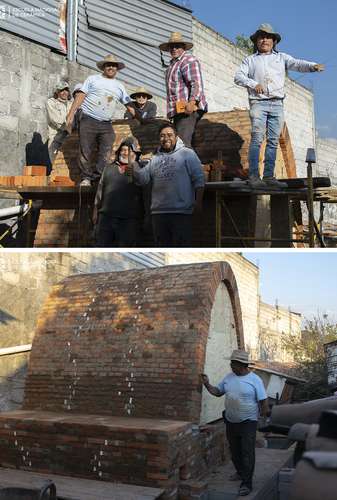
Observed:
{"x":38,"y":21}
{"x":149,"y":259}
{"x":132,"y":30}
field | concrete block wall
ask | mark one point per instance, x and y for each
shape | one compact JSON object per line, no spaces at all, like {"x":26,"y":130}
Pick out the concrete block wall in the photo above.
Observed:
{"x":275,"y":324}
{"x":326,"y":150}
{"x":220,"y":59}
{"x":28,"y":75}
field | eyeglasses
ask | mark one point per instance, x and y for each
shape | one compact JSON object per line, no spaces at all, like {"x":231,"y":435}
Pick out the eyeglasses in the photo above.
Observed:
{"x":144,"y":96}
{"x":111,"y":65}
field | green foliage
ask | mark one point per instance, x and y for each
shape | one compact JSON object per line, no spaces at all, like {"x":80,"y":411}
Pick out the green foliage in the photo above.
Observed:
{"x":244,"y":43}
{"x":308,"y":352}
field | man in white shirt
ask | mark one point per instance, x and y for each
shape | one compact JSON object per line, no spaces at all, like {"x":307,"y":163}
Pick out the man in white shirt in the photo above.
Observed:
{"x":245,"y":398}
{"x":97,"y":98}
{"x":263,"y":74}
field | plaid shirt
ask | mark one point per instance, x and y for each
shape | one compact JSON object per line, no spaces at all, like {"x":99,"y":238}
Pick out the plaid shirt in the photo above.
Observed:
{"x":184,"y":82}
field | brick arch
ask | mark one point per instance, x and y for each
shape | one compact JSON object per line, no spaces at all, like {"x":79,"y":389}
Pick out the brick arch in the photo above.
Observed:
{"x":129,"y":343}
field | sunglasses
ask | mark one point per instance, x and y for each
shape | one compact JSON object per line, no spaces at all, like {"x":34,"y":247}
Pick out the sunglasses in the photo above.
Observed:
{"x":111,"y":65}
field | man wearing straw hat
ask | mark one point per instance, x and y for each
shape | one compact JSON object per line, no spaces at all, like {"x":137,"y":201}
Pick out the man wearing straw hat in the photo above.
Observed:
{"x":245,"y":398}
{"x":263,"y":74}
{"x":186,"y":101}
{"x":142,"y":109}
{"x":98,"y":98}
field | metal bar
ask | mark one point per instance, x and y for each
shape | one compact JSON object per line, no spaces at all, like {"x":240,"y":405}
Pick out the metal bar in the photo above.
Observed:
{"x":72,"y":26}
{"x":251,"y":238}
{"x":217,"y":219}
{"x":310,"y":203}
{"x":233,"y":222}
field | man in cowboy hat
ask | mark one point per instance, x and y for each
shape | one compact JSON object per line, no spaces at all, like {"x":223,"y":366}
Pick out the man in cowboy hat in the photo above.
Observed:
{"x":142,"y":109}
{"x":57,"y":108}
{"x":97,"y":98}
{"x":186,"y":101}
{"x":245,"y":399}
{"x":263,"y":74}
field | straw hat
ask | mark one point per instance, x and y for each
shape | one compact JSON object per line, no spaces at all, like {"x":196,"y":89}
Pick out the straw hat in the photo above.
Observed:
{"x":265,"y":28}
{"x":109,"y":59}
{"x":141,"y":90}
{"x":175,"y":38}
{"x":241,"y":356}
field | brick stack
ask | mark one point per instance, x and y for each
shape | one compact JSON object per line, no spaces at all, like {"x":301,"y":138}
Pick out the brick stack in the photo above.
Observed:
{"x":33,"y":176}
{"x":113,"y":388}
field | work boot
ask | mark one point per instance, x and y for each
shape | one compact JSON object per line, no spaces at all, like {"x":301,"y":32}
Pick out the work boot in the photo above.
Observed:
{"x":256,"y":183}
{"x":272,"y":182}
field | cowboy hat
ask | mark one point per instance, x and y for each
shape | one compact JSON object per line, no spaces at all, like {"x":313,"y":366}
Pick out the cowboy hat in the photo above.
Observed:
{"x":109,"y":59}
{"x":265,"y":28}
{"x":175,"y":38}
{"x":141,"y":90}
{"x":241,"y":356}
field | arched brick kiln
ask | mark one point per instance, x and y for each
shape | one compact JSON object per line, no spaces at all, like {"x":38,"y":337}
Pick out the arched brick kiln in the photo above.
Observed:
{"x":133,"y":343}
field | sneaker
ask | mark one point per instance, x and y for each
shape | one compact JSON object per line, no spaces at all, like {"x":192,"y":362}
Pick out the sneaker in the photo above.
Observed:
{"x":235,"y":477}
{"x":85,"y":183}
{"x":244,"y":490}
{"x":256,"y":183}
{"x":272,"y":182}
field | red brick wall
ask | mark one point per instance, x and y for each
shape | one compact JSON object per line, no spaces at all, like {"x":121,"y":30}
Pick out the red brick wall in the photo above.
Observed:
{"x":129,"y":343}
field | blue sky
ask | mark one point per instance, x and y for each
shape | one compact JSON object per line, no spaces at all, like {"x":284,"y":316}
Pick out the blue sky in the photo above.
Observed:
{"x":308,"y":29}
{"x":305,"y":281}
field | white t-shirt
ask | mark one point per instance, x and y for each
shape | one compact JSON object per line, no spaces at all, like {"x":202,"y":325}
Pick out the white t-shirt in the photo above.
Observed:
{"x":242,"y":396}
{"x":102,"y":94}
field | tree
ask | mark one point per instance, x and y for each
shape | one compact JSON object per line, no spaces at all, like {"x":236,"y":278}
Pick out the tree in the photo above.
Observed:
{"x":308,"y":353}
{"x":244,"y":43}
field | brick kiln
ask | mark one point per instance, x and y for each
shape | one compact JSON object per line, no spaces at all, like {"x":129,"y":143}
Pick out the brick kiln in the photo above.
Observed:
{"x":113,"y":389}
{"x":225,"y":135}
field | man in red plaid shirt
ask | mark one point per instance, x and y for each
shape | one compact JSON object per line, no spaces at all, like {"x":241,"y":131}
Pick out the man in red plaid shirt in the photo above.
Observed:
{"x":186,"y":101}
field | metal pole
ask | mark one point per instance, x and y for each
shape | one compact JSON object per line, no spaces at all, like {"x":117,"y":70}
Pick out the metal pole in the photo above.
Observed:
{"x":311,"y":158}
{"x":217,"y":219}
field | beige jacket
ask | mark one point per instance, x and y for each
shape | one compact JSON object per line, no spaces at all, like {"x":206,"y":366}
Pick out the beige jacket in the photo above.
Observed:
{"x":56,"y":116}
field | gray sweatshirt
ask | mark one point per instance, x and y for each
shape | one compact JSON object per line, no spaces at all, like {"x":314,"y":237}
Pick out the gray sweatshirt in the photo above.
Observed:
{"x":175,"y":176}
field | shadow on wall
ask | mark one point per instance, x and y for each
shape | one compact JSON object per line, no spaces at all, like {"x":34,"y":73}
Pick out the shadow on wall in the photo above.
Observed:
{"x":37,"y":152}
{"x":213,"y":140}
{"x":5,"y":317}
{"x":12,"y":388}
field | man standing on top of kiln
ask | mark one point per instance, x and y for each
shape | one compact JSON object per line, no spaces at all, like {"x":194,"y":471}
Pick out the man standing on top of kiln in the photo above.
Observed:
{"x":263,"y":74}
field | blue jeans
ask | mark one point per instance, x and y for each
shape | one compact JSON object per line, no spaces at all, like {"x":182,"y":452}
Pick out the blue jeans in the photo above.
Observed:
{"x":266,"y":116}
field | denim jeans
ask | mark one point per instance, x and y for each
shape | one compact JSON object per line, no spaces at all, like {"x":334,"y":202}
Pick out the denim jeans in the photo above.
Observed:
{"x":266,"y":117}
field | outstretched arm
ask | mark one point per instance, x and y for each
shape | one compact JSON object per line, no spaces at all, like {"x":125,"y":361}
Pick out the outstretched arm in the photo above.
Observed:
{"x":301,"y":65}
